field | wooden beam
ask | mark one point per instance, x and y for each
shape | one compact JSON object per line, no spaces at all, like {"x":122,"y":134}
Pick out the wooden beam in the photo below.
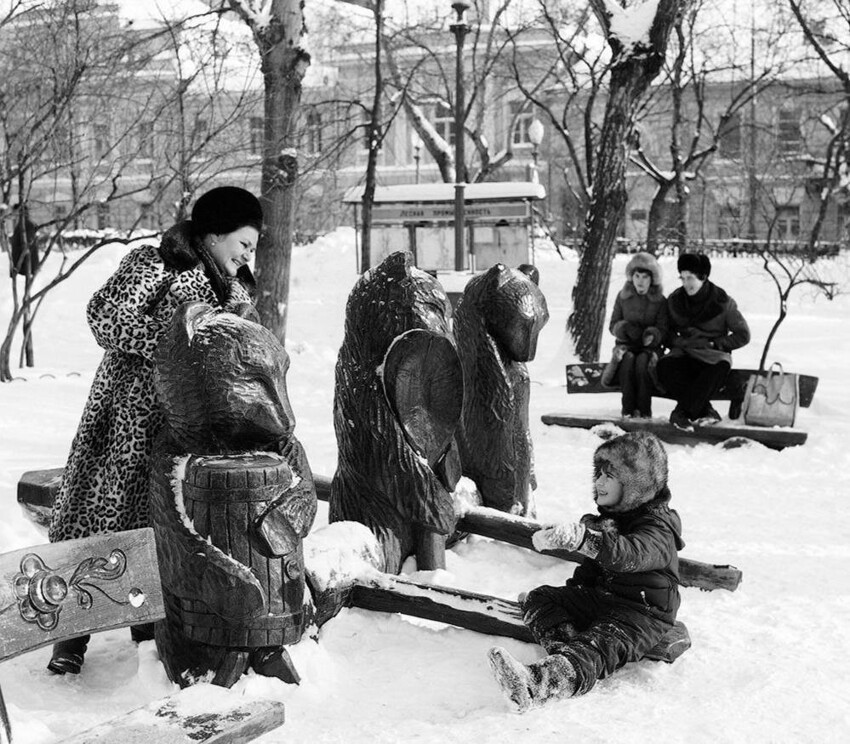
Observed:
{"x":587,"y":378}
{"x":518,"y":531}
{"x":477,"y":612}
{"x":198,"y":714}
{"x":773,"y":437}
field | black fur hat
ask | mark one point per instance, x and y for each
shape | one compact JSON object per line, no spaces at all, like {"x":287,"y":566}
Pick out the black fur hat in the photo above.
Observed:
{"x":639,"y":461}
{"x":696,"y":263}
{"x":224,"y":209}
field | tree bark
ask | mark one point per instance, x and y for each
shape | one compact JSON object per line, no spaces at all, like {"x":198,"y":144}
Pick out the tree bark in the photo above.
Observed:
{"x":632,"y":71}
{"x":283,"y":63}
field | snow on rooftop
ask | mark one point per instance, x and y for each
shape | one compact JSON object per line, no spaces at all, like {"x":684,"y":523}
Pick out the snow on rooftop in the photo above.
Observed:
{"x":445,"y":192}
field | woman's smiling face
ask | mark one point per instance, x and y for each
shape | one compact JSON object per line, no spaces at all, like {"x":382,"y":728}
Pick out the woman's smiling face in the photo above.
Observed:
{"x":233,"y":250}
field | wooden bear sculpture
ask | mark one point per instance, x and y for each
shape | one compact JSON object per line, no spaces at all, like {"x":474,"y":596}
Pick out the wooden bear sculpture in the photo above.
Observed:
{"x":232,"y":496}
{"x":397,"y":402}
{"x":497,"y":322}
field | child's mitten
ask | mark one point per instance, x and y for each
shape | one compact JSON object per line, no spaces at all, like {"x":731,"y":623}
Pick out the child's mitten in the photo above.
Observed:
{"x":570,"y":536}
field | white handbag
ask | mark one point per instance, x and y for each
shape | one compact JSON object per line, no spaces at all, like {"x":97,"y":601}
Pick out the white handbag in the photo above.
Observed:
{"x":771,"y":398}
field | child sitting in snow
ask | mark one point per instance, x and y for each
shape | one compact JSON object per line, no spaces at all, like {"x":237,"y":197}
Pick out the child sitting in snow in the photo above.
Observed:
{"x":639,"y":323}
{"x":622,"y":599}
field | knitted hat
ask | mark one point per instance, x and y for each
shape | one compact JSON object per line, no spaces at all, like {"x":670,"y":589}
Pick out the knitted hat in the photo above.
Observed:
{"x":638,"y":461}
{"x":225,"y":209}
{"x":644,"y":262}
{"x":696,"y":263}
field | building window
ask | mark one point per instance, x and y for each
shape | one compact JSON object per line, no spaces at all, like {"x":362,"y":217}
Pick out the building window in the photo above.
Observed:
{"x":521,"y":116}
{"x":145,"y":134}
{"x":789,"y":138}
{"x":146,"y":216}
{"x":444,"y":122}
{"x":787,"y":223}
{"x":729,"y":136}
{"x":102,"y":215}
{"x":729,"y":222}
{"x":201,"y":130}
{"x":256,"y":135}
{"x":313,"y":132}
{"x":101,"y":140}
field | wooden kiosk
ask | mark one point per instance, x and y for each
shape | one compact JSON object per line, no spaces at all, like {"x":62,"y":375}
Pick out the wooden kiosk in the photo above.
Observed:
{"x":420,"y":218}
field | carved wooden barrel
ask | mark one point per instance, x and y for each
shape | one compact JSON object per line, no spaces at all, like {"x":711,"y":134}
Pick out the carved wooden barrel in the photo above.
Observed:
{"x":223,"y":495}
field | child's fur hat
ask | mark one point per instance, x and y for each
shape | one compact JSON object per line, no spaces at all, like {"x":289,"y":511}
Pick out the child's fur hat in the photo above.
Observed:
{"x":639,"y":461}
{"x":644,"y":262}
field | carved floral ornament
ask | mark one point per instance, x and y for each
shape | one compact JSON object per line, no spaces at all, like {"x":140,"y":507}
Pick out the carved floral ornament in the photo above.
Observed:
{"x":41,"y":591}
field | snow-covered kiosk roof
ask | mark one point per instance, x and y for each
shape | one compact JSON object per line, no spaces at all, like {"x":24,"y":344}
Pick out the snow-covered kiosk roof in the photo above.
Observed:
{"x":445,"y":192}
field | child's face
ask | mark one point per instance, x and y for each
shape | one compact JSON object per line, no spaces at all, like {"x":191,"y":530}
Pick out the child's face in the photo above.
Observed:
{"x":608,"y":489}
{"x":642,"y":281}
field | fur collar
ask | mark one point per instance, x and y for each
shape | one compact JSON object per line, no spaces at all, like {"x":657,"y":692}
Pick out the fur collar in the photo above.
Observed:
{"x":709,"y":302}
{"x":628,"y":291}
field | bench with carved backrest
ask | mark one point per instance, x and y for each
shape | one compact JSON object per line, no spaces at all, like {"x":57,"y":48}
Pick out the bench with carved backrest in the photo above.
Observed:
{"x":57,"y":591}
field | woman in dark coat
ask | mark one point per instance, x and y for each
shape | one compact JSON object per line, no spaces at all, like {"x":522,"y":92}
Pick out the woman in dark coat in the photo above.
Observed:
{"x":105,"y":482}
{"x":639,"y":323}
{"x":705,"y":327}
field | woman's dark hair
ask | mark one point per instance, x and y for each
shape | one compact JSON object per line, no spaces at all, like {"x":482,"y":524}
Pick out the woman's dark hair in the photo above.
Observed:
{"x":224,"y":209}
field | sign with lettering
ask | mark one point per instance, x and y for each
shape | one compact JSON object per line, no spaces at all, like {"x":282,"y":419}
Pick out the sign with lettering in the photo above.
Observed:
{"x":474,"y":212}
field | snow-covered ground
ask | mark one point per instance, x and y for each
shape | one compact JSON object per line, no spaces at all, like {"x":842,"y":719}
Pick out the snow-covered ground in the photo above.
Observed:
{"x":768,"y":662}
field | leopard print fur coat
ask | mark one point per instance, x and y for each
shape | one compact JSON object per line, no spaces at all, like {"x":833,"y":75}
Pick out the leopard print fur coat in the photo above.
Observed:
{"x":105,"y":483}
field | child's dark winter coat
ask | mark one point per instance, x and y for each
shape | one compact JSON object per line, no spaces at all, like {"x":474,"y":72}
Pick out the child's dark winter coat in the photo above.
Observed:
{"x":624,"y":597}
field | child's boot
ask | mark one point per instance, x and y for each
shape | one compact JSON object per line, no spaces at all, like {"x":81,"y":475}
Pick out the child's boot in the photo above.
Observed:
{"x":530,"y":686}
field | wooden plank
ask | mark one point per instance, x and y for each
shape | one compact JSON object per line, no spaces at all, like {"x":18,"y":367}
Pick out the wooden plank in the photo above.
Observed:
{"x":52,"y":592}
{"x":200,"y":714}
{"x":691,"y":573}
{"x":518,"y":530}
{"x":478,"y":612}
{"x":775,"y":438}
{"x":587,"y":378}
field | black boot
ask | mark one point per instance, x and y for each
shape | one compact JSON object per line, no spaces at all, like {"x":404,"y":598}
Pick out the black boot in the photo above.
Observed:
{"x":140,"y":633}
{"x":68,"y":656}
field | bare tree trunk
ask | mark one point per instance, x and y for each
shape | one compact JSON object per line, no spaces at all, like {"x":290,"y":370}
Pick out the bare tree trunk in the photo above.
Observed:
{"x":656,"y":216}
{"x":374,"y":143}
{"x":284,"y":63}
{"x":632,"y":72}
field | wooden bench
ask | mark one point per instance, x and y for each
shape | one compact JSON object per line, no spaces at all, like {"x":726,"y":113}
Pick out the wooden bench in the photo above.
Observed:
{"x":58,"y":591}
{"x":587,"y":378}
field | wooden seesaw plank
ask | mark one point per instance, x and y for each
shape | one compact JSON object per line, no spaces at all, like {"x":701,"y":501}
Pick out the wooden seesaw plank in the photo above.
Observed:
{"x":517,"y":530}
{"x":775,"y":438}
{"x":481,"y":521}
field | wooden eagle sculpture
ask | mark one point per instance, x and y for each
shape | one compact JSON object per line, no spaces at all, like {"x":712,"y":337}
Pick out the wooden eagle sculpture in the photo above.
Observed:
{"x":498,"y":320}
{"x":397,"y":403}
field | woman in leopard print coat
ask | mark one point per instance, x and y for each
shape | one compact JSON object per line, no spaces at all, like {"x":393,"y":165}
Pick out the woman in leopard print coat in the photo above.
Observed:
{"x":105,"y":483}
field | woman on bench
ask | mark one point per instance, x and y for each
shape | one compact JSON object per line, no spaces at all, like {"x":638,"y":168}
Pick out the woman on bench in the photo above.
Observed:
{"x":639,"y":323}
{"x":705,"y":327}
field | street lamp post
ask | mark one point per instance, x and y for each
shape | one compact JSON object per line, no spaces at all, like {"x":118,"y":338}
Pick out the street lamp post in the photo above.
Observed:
{"x":417,"y":143}
{"x":535,"y":136}
{"x":460,"y":30}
